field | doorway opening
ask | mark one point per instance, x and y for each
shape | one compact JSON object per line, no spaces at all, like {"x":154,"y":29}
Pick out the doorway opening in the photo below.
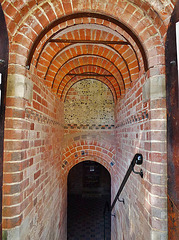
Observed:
{"x":89,"y":188}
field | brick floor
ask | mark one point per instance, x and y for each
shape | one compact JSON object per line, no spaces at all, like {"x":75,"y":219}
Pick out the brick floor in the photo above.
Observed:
{"x":85,"y":218}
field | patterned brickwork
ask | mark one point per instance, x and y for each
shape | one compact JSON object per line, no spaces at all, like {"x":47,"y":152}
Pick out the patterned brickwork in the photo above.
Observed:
{"x":88,"y":127}
{"x":41,"y":118}
{"x":38,"y":156}
{"x":86,"y":145}
{"x":89,"y":104}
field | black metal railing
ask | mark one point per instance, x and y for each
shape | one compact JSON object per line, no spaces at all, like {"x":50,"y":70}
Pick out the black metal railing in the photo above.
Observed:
{"x":138,"y":159}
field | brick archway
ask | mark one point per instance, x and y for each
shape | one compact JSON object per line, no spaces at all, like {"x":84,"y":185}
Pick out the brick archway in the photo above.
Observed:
{"x":88,"y":191}
{"x":85,"y":72}
{"x":35,"y":152}
{"x":92,"y":158}
{"x":78,"y":151}
{"x":53,"y":21}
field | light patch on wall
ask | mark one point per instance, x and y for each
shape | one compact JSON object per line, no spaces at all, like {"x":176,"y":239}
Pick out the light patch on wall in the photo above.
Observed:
{"x":89,"y":102}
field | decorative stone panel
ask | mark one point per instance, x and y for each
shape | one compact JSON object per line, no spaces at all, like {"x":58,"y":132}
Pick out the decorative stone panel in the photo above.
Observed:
{"x":19,"y":86}
{"x":89,"y":103}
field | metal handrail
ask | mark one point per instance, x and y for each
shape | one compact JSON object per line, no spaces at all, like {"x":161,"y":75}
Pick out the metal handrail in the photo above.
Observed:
{"x":137,"y":159}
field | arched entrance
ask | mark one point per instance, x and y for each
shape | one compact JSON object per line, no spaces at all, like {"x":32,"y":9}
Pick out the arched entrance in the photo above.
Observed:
{"x":54,"y":46}
{"x":89,"y":187}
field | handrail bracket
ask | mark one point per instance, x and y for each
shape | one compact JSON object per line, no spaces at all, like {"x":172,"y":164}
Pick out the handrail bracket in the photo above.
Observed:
{"x":140,"y":173}
{"x":121,"y":200}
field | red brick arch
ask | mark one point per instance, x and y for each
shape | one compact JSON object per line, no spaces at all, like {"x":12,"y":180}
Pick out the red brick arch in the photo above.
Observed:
{"x":99,"y":21}
{"x":28,"y":22}
{"x":74,"y":162}
{"x":82,"y":150}
{"x":44,"y":43}
{"x":142,"y":22}
{"x":85,"y":31}
{"x":71,"y":50}
{"x":100,"y":73}
{"x":19,"y":11}
{"x":76,"y":79}
{"x":81,"y":60}
{"x":83,"y":49}
{"x":60,"y":61}
{"x":44,"y":13}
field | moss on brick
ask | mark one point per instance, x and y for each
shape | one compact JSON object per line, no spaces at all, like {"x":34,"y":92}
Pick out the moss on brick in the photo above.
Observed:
{"x":4,"y":235}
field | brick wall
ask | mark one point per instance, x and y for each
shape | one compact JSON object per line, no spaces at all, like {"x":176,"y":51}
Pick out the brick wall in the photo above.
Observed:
{"x":33,"y":187}
{"x":141,"y":127}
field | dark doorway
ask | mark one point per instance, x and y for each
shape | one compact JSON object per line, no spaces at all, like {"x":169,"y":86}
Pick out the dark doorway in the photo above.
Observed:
{"x":89,"y":188}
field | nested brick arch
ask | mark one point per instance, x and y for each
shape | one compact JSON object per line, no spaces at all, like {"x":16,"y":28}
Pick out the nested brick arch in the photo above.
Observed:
{"x":90,"y":72}
{"x":62,"y":61}
{"x":83,"y":49}
{"x":18,"y":12}
{"x":119,"y":29}
{"x":54,"y":63}
{"x":116,"y":56}
{"x":91,"y":59}
{"x":32,"y":24}
{"x":74,"y":80}
{"x":43,"y":13}
{"x":97,"y":159}
{"x":85,"y":31}
{"x":81,"y":150}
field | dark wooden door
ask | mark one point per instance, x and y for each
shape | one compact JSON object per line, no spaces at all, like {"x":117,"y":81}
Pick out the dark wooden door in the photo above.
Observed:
{"x":172,"y":83}
{"x":3,"y":82}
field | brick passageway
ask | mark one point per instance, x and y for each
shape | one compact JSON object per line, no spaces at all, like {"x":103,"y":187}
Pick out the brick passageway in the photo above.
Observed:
{"x":86,"y":82}
{"x":85,"y":218}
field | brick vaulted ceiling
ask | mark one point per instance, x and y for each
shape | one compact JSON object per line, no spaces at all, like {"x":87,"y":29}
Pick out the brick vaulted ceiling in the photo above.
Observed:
{"x":88,"y":49}
{"x":67,"y":41}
